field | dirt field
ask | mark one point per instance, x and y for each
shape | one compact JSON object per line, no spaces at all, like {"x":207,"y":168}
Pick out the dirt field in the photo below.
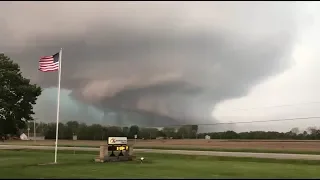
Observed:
{"x":200,"y":143}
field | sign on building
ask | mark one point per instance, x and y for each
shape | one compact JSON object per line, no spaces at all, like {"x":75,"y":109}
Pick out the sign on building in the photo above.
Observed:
{"x":117,"y":140}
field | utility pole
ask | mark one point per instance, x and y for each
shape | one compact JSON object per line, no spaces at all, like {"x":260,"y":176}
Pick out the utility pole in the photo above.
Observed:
{"x":28,"y":131}
{"x":34,"y":130}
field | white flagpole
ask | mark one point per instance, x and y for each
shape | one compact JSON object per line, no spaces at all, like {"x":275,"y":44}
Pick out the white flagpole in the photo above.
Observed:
{"x":58,"y":107}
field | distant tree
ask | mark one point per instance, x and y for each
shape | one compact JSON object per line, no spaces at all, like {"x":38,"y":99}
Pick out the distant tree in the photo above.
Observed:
{"x":295,"y":131}
{"x":83,"y":132}
{"x":17,"y":97}
{"x":50,"y":132}
{"x":98,"y":132}
{"x":148,"y":133}
{"x":144,"y":133}
{"x":185,"y":132}
{"x":104,"y":133}
{"x":160,"y":134}
{"x":72,"y":128}
{"x":231,"y":135}
{"x":169,"y":132}
{"x":62,"y":134}
{"x":194,"y":130}
{"x":42,"y":128}
{"x":125,"y":131}
{"x":95,"y":131}
{"x":114,"y":131}
{"x":312,"y":130}
{"x":134,"y":130}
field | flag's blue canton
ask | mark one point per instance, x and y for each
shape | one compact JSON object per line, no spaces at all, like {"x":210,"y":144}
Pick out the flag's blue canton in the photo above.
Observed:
{"x":56,"y":58}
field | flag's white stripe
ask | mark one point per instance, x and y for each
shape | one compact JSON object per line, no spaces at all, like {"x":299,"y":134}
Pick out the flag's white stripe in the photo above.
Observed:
{"x":49,"y":69}
{"x":49,"y":65}
{"x":46,"y":59}
{"x":49,"y":62}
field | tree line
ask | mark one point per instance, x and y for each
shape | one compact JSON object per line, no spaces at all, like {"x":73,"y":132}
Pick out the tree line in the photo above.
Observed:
{"x":99,"y":132}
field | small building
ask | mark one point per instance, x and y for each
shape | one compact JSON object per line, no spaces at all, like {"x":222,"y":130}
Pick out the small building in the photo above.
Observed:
{"x":207,"y":137}
{"x":37,"y":136}
{"x":23,"y":137}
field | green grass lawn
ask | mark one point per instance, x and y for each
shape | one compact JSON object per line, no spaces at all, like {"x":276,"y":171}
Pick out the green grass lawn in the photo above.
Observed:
{"x":285,"y":151}
{"x":25,"y":164}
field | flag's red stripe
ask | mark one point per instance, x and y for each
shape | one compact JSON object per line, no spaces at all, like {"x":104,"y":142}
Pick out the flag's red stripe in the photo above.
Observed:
{"x":50,"y":67}
{"x":47,"y":64}
{"x":46,"y":57}
{"x":48,"y":70}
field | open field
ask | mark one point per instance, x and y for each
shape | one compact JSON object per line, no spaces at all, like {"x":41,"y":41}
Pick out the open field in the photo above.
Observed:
{"x":27,"y":164}
{"x":177,"y":152}
{"x":270,"y":146}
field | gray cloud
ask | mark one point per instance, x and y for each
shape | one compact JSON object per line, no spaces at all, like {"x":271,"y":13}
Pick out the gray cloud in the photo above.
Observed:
{"x":171,"y":60}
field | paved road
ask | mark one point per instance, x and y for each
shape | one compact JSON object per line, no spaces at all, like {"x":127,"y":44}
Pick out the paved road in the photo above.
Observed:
{"x":186,"y":152}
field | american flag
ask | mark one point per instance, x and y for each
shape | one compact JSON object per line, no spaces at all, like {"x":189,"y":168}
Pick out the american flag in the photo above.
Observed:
{"x":49,"y":63}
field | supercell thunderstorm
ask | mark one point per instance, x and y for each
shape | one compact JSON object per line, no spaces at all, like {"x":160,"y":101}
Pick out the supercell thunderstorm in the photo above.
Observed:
{"x":152,"y":63}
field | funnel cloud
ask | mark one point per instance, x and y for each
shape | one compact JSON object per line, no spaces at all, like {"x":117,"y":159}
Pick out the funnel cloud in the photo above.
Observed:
{"x":154,"y":63}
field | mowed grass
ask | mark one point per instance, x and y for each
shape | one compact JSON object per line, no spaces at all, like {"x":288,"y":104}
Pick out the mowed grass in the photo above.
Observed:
{"x":25,"y":164}
{"x":284,"y":151}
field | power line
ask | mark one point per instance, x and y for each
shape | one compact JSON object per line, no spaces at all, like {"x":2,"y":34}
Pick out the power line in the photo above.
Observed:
{"x":267,"y":107}
{"x":249,"y":122}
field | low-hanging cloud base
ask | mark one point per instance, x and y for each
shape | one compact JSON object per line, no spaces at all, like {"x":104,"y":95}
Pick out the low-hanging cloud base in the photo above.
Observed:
{"x":154,"y":63}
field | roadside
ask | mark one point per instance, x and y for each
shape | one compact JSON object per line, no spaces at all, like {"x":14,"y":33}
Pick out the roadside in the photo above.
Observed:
{"x":249,"y":150}
{"x":181,"y":152}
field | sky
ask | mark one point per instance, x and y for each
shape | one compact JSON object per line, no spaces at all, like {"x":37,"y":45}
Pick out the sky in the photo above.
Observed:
{"x":291,"y":94}
{"x":169,"y":63}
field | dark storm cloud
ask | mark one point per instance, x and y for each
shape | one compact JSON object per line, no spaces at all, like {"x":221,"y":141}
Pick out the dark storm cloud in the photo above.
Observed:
{"x":173,"y":60}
